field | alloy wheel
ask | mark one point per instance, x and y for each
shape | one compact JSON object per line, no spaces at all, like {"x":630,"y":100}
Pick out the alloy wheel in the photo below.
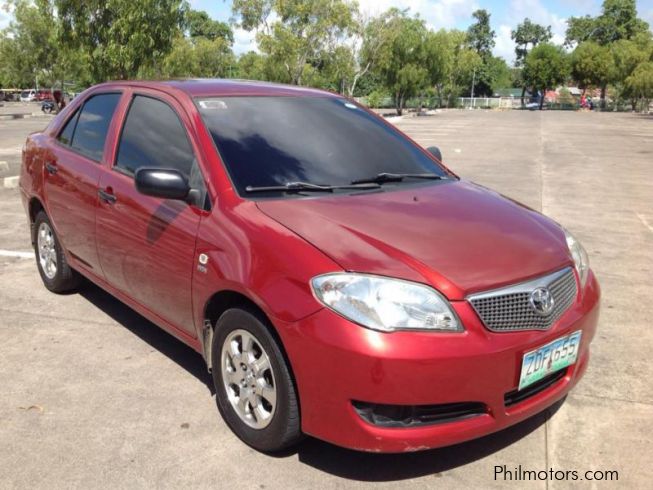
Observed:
{"x":249,"y":379}
{"x":47,"y":250}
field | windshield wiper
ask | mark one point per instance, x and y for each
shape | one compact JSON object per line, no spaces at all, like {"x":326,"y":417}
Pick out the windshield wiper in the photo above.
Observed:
{"x":307,"y":186}
{"x":384,"y":177}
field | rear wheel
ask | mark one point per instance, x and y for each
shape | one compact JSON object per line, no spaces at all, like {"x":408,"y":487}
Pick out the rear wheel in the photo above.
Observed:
{"x":55,"y":272}
{"x":254,"y":388}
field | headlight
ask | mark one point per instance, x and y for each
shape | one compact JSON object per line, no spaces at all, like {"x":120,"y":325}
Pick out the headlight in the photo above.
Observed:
{"x":385,"y":304}
{"x":578,"y":253}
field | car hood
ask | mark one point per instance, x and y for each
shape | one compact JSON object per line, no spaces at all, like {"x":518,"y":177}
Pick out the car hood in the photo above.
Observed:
{"x":456,"y":235}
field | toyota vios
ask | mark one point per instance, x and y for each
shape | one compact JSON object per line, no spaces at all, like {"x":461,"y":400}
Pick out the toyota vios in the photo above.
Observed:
{"x":337,"y":278}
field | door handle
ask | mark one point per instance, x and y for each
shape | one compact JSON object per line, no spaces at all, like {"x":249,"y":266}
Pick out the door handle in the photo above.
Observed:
{"x":107,"y":196}
{"x":51,"y":168}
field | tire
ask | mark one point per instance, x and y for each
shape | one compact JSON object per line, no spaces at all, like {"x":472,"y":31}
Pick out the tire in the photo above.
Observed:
{"x":268,"y":428}
{"x":61,"y":278}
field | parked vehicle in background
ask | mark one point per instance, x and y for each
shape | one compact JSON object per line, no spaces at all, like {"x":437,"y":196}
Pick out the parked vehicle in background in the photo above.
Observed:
{"x":9,"y":95}
{"x":28,"y":95}
{"x":338,"y":279}
{"x":47,"y":94}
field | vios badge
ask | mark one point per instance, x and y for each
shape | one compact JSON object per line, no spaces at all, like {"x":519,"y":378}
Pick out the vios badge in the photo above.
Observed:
{"x":542,"y":302}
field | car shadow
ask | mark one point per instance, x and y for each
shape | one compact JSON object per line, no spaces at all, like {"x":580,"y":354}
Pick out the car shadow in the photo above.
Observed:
{"x":344,"y":463}
{"x":175,"y":350}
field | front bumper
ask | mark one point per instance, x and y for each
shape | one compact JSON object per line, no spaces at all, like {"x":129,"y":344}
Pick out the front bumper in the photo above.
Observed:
{"x":336,"y":362}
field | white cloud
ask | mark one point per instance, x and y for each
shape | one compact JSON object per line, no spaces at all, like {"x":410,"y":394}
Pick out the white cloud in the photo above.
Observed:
{"x":437,"y":14}
{"x":504,"y":47}
{"x":534,"y":10}
{"x":244,"y":41}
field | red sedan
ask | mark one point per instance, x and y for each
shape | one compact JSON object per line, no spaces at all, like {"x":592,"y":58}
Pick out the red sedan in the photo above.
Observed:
{"x":338,"y":280}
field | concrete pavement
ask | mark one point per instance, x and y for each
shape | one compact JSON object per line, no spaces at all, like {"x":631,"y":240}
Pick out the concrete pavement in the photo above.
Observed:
{"x":93,"y":395}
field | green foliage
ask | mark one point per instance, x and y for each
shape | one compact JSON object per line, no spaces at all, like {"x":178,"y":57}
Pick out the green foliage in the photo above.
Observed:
{"x":375,"y":98}
{"x":479,"y":35}
{"x":565,"y":98}
{"x":29,"y":48}
{"x":640,"y":83}
{"x":492,"y":71}
{"x":459,"y":65}
{"x":199,"y":57}
{"x":527,"y":35}
{"x":592,"y":65}
{"x":301,"y":36}
{"x":201,"y":25}
{"x":402,"y":59}
{"x":251,"y":66}
{"x":618,"y":20}
{"x":120,"y":38}
{"x":545,"y":67}
{"x":323,"y":43}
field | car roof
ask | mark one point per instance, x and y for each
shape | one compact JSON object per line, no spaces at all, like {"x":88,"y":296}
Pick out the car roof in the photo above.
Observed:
{"x":225,"y":87}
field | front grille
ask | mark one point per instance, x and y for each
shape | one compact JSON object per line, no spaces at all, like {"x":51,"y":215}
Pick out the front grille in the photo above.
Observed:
{"x":416,"y":415}
{"x":517,"y":396}
{"x":509,"y":308}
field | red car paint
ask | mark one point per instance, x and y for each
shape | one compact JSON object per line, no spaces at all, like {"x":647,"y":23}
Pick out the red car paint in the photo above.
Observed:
{"x":459,"y":238}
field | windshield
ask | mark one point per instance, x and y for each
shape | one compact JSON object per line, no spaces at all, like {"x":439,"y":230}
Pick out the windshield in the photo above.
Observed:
{"x":273,"y":141}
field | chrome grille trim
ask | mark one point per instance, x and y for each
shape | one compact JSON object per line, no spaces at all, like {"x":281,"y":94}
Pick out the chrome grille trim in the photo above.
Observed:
{"x":508,"y":309}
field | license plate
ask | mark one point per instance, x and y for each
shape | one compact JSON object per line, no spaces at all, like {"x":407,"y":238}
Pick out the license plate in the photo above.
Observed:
{"x":549,"y":358}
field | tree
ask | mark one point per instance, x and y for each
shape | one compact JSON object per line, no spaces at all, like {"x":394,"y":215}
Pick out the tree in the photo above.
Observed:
{"x":28,"y":50}
{"x":592,"y":65}
{"x":201,"y":25}
{"x":618,"y":20}
{"x":460,"y":63}
{"x":401,"y":61}
{"x":627,"y":55}
{"x":545,"y":67}
{"x":640,"y":83}
{"x":120,"y":38}
{"x":299,"y":35}
{"x":251,"y":66}
{"x":480,"y":35}
{"x":369,"y":36}
{"x":199,"y":57}
{"x":527,"y":35}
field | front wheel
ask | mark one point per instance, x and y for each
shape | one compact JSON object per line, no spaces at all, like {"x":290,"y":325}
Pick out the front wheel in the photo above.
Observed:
{"x":254,"y":387}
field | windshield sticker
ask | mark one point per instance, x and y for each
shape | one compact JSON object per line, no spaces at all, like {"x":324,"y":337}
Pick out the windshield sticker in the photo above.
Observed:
{"x":212,"y":104}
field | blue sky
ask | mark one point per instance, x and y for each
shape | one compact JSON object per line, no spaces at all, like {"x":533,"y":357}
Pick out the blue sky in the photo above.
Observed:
{"x":448,"y":14}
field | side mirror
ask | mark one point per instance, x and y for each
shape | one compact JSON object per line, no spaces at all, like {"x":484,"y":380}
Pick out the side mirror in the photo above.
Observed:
{"x":435,"y":151}
{"x":162,"y":182}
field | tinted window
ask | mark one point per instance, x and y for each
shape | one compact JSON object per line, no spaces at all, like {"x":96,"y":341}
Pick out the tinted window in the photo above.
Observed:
{"x":269,"y":141}
{"x":153,"y":136}
{"x":93,"y":123}
{"x":66,"y":135}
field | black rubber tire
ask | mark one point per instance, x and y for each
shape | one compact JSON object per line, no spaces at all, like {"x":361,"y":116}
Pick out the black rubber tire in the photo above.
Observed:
{"x":284,"y":431}
{"x":66,"y":279}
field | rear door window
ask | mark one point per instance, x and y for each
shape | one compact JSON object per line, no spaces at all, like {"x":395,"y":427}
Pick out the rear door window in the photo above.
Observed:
{"x":93,"y":122}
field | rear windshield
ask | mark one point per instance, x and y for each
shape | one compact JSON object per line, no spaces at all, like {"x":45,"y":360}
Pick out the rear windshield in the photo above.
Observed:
{"x":270,"y":141}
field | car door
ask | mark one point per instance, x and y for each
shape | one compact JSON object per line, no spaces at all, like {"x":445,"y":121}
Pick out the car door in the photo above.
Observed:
{"x":147,"y":244}
{"x":72,"y":172}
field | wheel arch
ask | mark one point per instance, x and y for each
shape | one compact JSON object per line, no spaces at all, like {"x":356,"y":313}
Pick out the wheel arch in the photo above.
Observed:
{"x":224,"y":300}
{"x":34,"y":207}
